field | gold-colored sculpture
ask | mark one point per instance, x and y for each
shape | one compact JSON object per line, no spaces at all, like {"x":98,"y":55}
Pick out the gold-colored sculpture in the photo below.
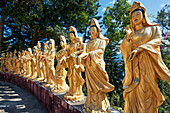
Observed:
{"x":33,"y":64}
{"x":3,"y":62}
{"x":28,"y":62}
{"x":14,"y":61}
{"x":10,"y":67}
{"x":74,"y":75}
{"x":143,"y":63}
{"x":60,"y":72}
{"x":17,"y":64}
{"x":23,"y":64}
{"x":39,"y":63}
{"x":97,"y":80}
{"x":81,"y":52}
{"x":50,"y":65}
{"x":44,"y":63}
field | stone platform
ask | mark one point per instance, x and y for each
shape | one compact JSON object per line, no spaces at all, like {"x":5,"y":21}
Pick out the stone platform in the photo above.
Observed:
{"x":54,"y":103}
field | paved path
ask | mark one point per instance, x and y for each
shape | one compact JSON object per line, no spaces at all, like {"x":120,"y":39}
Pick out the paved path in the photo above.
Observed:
{"x":16,"y":100}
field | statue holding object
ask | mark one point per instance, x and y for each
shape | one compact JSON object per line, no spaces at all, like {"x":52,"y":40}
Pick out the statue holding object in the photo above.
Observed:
{"x":143,"y":63}
{"x":74,"y":75}
{"x":60,"y":72}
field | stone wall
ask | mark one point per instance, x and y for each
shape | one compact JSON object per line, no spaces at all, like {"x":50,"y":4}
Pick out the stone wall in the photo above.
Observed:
{"x":53,"y":103}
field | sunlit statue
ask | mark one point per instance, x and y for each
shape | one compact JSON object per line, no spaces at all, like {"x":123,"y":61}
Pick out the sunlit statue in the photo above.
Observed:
{"x":23,"y":65}
{"x":74,"y":75}
{"x":39,"y":63}
{"x":28,"y":62}
{"x":14,"y":61}
{"x":50,"y":65}
{"x":60,"y":72}
{"x":97,"y":80}
{"x":33,"y":64}
{"x":3,"y":62}
{"x":81,"y":52}
{"x":143,"y":63}
{"x":44,"y":62}
{"x":10,"y":59}
{"x":17,"y":64}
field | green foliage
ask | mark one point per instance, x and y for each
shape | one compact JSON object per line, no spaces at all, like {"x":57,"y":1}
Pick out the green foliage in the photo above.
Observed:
{"x":163,"y":17}
{"x":115,"y":20}
{"x":32,"y":19}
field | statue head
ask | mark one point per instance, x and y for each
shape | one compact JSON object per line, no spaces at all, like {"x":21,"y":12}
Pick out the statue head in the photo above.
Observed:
{"x":29,"y":52}
{"x":39,"y":45}
{"x":95,"y":30}
{"x":46,"y":46}
{"x":63,"y":42}
{"x":52,"y":44}
{"x":73,"y":33}
{"x":139,"y":16}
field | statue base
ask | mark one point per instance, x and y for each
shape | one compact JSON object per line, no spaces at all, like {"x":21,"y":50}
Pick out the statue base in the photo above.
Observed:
{"x":74,"y":97}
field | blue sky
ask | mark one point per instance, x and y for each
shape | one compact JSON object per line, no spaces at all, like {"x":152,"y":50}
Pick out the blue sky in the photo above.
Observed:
{"x":152,"y":6}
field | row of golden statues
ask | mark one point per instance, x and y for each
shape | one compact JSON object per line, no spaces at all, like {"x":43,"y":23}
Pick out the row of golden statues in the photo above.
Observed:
{"x":143,"y":65}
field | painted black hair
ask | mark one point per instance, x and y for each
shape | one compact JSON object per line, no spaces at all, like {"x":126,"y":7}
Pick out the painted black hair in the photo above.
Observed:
{"x":94,"y":26}
{"x":138,"y":9}
{"x":73,"y":32}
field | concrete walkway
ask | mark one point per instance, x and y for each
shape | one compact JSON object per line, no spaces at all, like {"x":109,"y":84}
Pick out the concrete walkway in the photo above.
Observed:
{"x":16,"y":100}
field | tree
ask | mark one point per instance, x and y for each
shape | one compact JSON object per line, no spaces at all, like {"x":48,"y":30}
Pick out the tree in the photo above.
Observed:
{"x":163,"y":17}
{"x":115,"y":20}
{"x":33,"y":18}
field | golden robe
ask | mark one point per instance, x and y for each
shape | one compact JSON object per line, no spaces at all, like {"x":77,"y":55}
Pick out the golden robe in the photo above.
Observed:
{"x":97,"y":80}
{"x":141,"y":92}
{"x":74,"y":75}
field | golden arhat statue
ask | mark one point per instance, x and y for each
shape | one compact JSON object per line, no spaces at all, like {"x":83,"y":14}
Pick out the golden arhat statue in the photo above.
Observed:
{"x":60,"y":72}
{"x":97,"y":80}
{"x":143,"y":63}
{"x":76,"y":81}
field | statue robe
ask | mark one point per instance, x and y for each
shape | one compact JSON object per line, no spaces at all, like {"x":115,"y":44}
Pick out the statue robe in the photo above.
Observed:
{"x":141,"y":92}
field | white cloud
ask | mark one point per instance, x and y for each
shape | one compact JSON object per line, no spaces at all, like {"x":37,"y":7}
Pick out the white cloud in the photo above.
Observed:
{"x":104,"y":9}
{"x":112,"y":2}
{"x":162,"y":5}
{"x":129,"y":1}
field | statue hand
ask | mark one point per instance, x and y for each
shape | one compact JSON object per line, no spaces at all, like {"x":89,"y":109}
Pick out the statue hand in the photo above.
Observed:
{"x":129,"y":32}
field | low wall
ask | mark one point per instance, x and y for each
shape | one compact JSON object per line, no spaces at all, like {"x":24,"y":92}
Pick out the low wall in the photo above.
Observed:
{"x":54,"y":103}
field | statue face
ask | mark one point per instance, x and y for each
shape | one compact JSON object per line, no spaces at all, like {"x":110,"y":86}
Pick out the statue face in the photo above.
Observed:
{"x":72,"y":37}
{"x":45,"y":47}
{"x":50,"y":45}
{"x":93,"y":30}
{"x":137,"y":17}
{"x":61,"y":42}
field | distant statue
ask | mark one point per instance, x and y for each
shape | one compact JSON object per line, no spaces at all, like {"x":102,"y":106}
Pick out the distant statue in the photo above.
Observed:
{"x":23,"y":63}
{"x":81,"y":52}
{"x":33,"y":64}
{"x":76,"y":81}
{"x":28,"y":62}
{"x":97,"y":80}
{"x":10,"y":67}
{"x":3,"y":62}
{"x":39,"y":63}
{"x":60,"y":72}
{"x":14,"y":61}
{"x":17,"y":64}
{"x":50,"y":65}
{"x":143,"y":63}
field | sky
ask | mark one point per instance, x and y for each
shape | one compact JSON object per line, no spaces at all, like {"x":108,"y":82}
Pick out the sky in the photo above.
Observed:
{"x":152,"y":6}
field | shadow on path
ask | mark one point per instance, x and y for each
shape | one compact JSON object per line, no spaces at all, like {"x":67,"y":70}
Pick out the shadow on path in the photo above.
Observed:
{"x":16,"y":100}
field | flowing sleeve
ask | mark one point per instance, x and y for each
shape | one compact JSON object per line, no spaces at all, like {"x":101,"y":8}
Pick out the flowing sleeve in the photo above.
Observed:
{"x":153,"y":48}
